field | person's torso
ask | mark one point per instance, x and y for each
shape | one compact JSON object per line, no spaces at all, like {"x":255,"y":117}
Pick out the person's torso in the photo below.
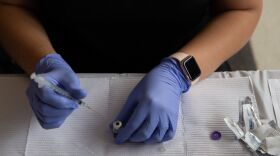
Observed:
{"x":120,"y":36}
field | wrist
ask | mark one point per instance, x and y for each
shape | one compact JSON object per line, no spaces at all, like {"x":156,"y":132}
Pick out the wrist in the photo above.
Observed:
{"x":175,"y":70}
{"x":49,"y":62}
{"x":29,"y":61}
{"x":188,"y":66}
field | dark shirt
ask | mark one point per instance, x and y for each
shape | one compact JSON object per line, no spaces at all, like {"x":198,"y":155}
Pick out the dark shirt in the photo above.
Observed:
{"x":120,"y":36}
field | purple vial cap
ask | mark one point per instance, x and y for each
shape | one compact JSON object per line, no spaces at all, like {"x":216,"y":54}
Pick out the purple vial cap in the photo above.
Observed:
{"x":216,"y":135}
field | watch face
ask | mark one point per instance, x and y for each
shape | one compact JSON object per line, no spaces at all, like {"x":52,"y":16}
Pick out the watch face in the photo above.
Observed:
{"x":192,"y":68}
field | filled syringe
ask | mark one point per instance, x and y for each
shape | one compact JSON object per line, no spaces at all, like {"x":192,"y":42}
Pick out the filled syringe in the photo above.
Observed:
{"x":41,"y":81}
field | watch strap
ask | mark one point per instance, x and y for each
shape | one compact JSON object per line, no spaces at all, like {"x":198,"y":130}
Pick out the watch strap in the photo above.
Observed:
{"x":179,"y":56}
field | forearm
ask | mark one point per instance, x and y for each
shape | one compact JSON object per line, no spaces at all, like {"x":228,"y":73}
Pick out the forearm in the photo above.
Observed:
{"x":222,"y":38}
{"x":22,"y":36}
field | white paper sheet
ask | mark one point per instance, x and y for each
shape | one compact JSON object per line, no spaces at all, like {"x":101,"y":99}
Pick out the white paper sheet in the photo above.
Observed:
{"x":86,"y":133}
{"x":83,"y":133}
{"x":203,"y":109}
{"x":15,"y":115}
{"x":274,"y":87}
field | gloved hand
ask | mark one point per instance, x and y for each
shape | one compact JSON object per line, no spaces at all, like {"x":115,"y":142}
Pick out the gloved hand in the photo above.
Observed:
{"x":150,"y":113}
{"x":50,"y":108}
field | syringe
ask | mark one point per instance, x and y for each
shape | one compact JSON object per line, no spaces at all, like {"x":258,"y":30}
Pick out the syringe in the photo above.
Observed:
{"x":43,"y":82}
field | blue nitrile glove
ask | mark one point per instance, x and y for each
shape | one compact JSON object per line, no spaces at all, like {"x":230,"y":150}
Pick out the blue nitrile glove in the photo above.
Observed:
{"x":150,"y":113}
{"x":50,"y":108}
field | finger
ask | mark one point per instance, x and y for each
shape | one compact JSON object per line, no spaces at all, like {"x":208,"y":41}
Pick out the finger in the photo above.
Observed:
{"x":72,"y":85}
{"x":170,"y":132}
{"x":50,"y":97}
{"x":52,"y":125}
{"x":168,"y":135}
{"x":35,"y":103}
{"x":48,"y":114}
{"x":30,"y":93}
{"x":126,"y":111}
{"x":51,"y":120}
{"x":128,"y":108}
{"x":76,"y":92}
{"x":135,"y":121}
{"x":146,"y":130}
{"x":49,"y":111}
{"x":152,"y":138}
{"x":160,"y":132}
{"x":33,"y":100}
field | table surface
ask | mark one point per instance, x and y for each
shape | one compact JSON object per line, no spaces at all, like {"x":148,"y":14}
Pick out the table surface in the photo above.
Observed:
{"x":259,"y":81}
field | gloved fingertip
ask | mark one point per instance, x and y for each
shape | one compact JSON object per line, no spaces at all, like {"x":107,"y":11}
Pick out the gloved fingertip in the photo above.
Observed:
{"x":110,"y":126}
{"x":75,"y":106}
{"x":52,"y":125}
{"x":119,"y":139}
{"x":49,"y":126}
{"x":79,"y":93}
{"x":69,"y":104}
{"x":83,"y":93}
{"x":149,"y":142}
{"x":168,"y":136}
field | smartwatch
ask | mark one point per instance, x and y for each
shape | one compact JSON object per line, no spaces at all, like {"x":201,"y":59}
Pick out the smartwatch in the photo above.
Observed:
{"x":188,"y":65}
